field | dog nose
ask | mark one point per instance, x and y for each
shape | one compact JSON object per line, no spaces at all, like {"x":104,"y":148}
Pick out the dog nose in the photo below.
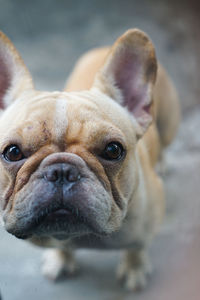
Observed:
{"x":62,"y":172}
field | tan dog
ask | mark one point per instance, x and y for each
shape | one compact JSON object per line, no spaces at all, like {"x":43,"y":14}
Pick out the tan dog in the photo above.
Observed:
{"x":77,"y":167}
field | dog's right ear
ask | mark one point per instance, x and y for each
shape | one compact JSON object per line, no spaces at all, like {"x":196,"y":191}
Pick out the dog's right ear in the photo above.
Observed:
{"x":14,"y":76}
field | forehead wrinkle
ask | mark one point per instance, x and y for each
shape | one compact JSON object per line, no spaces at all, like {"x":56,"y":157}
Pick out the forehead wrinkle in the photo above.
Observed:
{"x":88,"y":125}
{"x":60,"y":121}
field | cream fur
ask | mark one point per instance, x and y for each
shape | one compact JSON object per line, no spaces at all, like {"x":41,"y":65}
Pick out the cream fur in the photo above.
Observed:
{"x":74,"y":117}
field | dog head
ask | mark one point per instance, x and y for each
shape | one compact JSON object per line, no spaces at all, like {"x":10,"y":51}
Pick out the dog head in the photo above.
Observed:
{"x":68,"y":161}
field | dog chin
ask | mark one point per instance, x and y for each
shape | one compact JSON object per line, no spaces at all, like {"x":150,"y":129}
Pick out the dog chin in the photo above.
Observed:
{"x":61,"y":224}
{"x":57,"y":231}
{"x":62,"y":228}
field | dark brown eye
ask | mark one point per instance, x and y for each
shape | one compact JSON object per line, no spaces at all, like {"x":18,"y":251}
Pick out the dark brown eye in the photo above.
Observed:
{"x":13,"y":153}
{"x":113,"y":151}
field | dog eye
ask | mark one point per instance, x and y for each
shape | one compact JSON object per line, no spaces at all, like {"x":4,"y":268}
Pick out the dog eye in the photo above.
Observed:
{"x":13,"y":153}
{"x":113,"y":151}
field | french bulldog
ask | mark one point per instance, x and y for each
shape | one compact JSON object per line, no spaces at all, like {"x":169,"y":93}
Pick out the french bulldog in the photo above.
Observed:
{"x":77,"y":167}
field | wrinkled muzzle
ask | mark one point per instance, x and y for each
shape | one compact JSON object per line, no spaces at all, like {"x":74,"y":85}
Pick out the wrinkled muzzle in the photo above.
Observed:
{"x":62,"y":198}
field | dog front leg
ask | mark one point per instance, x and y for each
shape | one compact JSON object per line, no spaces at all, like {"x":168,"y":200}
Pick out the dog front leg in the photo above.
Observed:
{"x":58,"y":263}
{"x":134,"y":268}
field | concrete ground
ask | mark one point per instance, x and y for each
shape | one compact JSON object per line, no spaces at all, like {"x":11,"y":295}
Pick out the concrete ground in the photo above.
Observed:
{"x":51,"y":35}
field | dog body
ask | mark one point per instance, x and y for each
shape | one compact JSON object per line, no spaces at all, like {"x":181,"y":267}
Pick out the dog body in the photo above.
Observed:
{"x":78,"y":167}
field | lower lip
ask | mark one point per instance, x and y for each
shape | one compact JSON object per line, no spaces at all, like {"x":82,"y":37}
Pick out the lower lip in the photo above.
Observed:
{"x":59,"y":215}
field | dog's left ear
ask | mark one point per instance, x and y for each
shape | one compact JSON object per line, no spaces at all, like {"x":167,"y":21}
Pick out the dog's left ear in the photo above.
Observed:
{"x":129,"y":74}
{"x":14,"y":76}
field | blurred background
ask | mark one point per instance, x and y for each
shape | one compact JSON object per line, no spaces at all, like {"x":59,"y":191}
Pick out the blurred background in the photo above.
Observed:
{"x":51,"y":35}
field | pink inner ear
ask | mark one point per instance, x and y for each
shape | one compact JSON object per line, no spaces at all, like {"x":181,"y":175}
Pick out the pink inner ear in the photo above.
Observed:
{"x":128,"y":75}
{"x":4,"y":81}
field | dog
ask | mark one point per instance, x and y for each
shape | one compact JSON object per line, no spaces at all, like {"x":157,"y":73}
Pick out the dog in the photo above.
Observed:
{"x":77,"y":167}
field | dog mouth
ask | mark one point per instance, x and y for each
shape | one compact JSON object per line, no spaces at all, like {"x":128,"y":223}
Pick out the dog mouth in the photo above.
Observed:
{"x":59,"y":222}
{"x":60,"y":215}
{"x":60,"y":212}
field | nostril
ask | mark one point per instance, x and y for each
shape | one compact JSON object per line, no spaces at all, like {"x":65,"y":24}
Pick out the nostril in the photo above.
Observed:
{"x":72,"y":175}
{"x":52,"y":175}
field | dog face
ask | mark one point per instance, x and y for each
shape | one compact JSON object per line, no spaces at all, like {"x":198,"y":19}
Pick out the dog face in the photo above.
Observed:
{"x":68,"y":160}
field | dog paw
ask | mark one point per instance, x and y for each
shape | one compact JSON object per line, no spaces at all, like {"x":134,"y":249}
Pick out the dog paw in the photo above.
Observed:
{"x":57,"y":264}
{"x":134,"y":276}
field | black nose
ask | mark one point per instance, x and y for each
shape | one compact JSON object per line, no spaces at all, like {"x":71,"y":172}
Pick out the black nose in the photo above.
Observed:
{"x":62,"y":173}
